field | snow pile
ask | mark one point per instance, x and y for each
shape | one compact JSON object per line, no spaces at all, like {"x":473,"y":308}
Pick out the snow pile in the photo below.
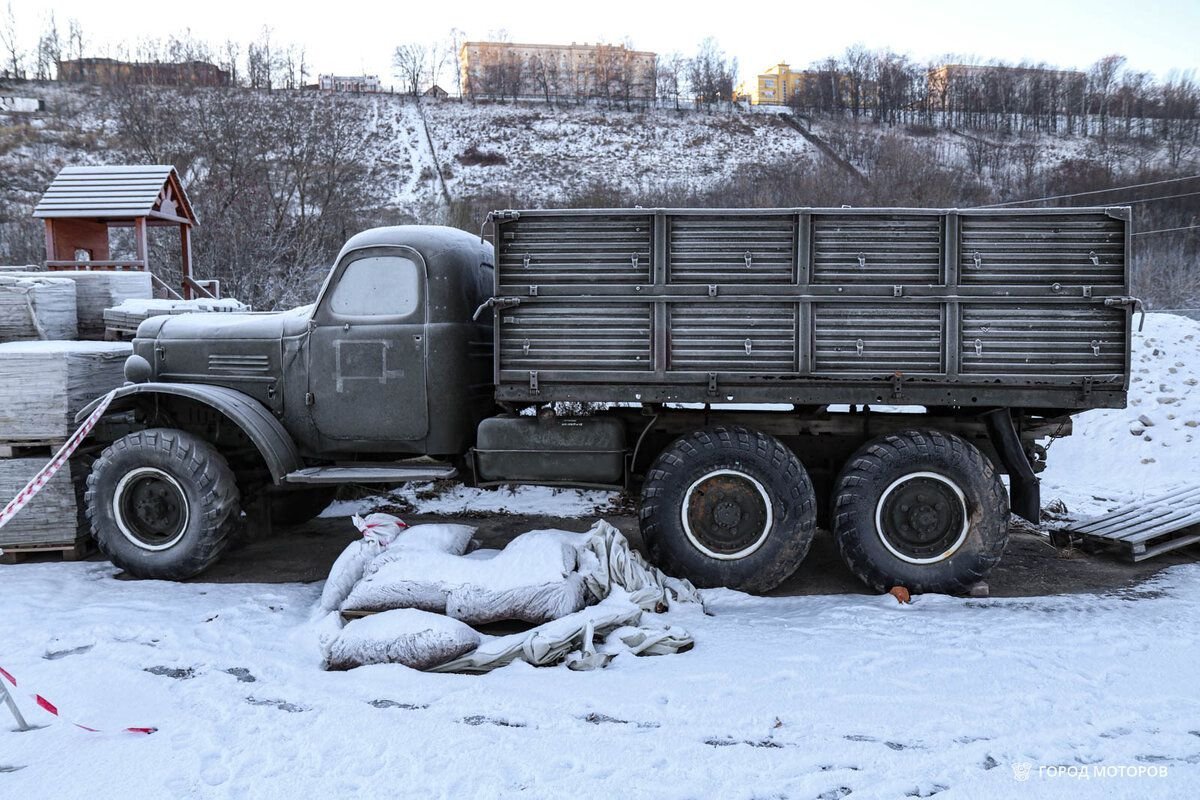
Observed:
{"x":575,"y":586}
{"x":1149,"y":446}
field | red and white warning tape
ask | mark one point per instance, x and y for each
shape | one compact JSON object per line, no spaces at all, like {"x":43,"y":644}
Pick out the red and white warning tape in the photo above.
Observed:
{"x":60,"y":458}
{"x":50,"y":708}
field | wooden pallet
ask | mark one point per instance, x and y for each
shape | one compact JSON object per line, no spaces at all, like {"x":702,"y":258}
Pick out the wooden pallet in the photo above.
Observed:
{"x":1148,"y":527}
{"x":67,"y":551}
{"x":37,"y":448}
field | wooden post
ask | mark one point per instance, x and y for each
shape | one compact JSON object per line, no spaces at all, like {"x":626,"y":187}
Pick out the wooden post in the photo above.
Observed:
{"x":185,"y":259}
{"x":140,"y":244}
{"x":50,"y":251}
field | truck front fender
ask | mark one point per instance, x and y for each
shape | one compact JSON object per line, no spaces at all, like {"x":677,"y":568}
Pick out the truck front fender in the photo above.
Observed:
{"x":268,"y":435}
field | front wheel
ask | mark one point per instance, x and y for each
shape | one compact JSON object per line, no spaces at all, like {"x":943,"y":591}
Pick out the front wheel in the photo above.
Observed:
{"x":162,"y":503}
{"x":728,"y":506}
{"x":920,"y":509}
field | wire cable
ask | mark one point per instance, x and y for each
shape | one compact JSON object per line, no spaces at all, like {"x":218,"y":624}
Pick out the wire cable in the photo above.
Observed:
{"x":1165,"y":230}
{"x":1095,"y":191}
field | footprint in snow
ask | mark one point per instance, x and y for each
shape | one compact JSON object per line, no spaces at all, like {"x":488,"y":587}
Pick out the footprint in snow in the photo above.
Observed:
{"x":727,"y":742}
{"x":282,"y":705}
{"x":54,"y":655}
{"x":479,"y":719}
{"x":394,"y":704}
{"x":937,"y":788}
{"x":242,"y":674}
{"x":834,"y":794}
{"x":9,"y":768}
{"x":178,"y":673}
{"x":858,"y":737}
{"x":600,"y":719}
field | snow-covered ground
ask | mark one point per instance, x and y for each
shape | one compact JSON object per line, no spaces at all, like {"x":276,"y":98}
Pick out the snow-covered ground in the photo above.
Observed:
{"x":814,"y":697}
{"x":1070,"y":696}
{"x":1115,"y":455}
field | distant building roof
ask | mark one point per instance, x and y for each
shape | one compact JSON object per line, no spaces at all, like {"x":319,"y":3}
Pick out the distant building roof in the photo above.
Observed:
{"x":116,"y":192}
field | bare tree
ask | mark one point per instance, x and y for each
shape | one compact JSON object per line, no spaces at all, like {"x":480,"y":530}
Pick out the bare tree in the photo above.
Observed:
{"x":75,"y":39}
{"x":1102,"y":79}
{"x":230,"y":56}
{"x":411,"y":62}
{"x":711,"y":74}
{"x":455,"y":40}
{"x":10,"y":37}
{"x":545,"y":72}
{"x":49,"y":51}
{"x":1180,"y":126}
{"x":260,"y":64}
{"x":671,"y":70}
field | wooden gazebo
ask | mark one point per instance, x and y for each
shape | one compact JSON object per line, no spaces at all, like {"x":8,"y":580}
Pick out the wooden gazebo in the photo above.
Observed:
{"x":83,"y":203}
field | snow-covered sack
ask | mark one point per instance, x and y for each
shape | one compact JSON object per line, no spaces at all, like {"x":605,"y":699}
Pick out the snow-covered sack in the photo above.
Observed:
{"x":573,"y":586}
{"x":527,"y":581}
{"x":379,"y":532}
{"x":405,"y":636}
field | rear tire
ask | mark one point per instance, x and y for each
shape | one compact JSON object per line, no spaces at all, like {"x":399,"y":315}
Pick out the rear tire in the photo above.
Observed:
{"x":162,"y":503}
{"x":728,"y":506}
{"x":920,"y":509}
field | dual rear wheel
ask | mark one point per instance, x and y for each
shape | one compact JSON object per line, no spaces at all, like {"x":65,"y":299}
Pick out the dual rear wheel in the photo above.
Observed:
{"x":729,"y":506}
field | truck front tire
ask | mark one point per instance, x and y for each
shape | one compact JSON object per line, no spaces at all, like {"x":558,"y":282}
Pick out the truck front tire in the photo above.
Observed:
{"x":920,"y":509}
{"x":728,"y":506}
{"x":162,"y":503}
{"x":293,"y":507}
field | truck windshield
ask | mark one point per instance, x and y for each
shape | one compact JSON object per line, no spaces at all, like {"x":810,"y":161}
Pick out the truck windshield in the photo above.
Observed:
{"x":378,"y":286}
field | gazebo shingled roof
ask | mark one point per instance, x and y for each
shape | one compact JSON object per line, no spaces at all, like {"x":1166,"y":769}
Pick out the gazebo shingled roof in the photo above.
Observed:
{"x":83,"y":203}
{"x":117,"y":192}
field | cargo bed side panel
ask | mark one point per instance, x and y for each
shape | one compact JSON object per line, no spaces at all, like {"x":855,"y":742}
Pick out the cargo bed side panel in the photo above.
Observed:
{"x":813,"y":306}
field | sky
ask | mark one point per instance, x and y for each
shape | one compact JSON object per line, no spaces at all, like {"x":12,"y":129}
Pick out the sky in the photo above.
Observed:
{"x":353,"y":37}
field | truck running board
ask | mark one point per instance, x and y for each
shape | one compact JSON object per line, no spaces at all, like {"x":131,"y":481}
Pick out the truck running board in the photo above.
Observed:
{"x":372,"y":473}
{"x":1149,"y":527}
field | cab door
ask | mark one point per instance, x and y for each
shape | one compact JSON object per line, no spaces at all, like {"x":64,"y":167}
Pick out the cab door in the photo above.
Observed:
{"x":368,"y":346}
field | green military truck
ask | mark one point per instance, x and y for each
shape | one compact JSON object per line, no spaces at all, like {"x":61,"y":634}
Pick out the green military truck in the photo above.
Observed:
{"x":745,"y":373}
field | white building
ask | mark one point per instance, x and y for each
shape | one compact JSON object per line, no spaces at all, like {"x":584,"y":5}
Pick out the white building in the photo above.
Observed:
{"x":349,"y":83}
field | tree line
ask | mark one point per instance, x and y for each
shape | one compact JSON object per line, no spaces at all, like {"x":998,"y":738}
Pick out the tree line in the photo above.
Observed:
{"x":1108,"y":100}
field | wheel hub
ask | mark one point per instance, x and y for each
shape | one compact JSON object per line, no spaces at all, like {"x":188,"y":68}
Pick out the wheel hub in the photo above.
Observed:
{"x":727,"y":514}
{"x":150,"y":508}
{"x":922,"y":517}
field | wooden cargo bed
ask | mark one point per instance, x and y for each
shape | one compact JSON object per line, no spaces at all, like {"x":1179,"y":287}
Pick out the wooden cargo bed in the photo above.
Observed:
{"x":1018,"y":308}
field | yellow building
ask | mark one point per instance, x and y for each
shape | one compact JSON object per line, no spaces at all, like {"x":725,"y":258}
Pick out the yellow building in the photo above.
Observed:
{"x":775,"y":87}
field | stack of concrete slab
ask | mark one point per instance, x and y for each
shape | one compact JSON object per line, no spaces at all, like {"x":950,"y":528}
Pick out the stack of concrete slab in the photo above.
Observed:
{"x":42,"y":386}
{"x":37,"y":308}
{"x":97,"y":290}
{"x":53,"y":516}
